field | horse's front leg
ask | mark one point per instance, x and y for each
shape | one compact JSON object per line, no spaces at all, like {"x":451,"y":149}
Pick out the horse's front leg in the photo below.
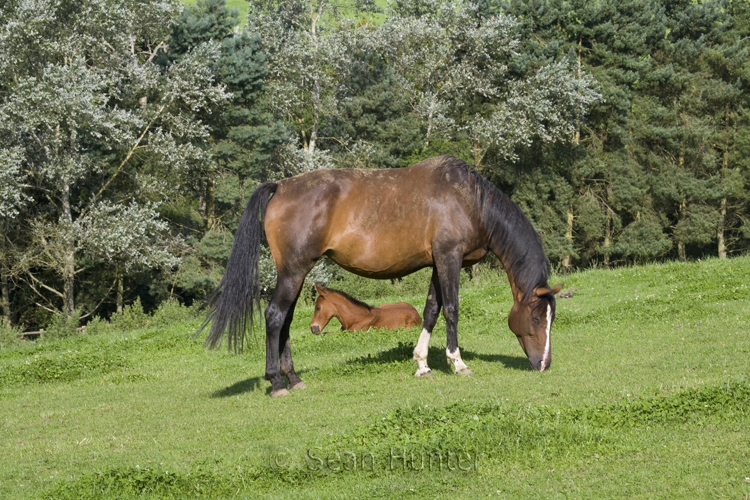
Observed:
{"x":449,"y":269}
{"x":278,"y":318}
{"x":430,"y":316}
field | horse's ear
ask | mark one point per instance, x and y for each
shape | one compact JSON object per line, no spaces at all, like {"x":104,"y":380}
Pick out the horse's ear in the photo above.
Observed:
{"x":319,"y":289}
{"x":541,"y":291}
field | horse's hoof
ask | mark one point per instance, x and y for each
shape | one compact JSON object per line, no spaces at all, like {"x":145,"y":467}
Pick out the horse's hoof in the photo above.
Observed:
{"x":279,"y":393}
{"x":465,"y":372}
{"x":426,"y":373}
{"x":298,"y":385}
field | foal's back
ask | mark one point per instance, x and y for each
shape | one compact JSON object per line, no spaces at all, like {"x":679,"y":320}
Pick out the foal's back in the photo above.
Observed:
{"x":399,"y":315}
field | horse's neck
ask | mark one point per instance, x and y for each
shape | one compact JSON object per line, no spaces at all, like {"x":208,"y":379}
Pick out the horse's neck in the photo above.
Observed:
{"x":349,"y":313}
{"x":519,"y":250}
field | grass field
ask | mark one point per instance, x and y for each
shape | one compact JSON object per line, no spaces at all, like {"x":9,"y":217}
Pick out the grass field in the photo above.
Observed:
{"x":647,"y":397}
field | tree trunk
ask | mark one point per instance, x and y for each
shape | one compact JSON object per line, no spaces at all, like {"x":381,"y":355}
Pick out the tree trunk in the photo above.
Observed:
{"x":577,"y":136}
{"x":4,"y":282}
{"x":120,"y":289}
{"x":68,"y":264}
{"x":210,"y":205}
{"x":607,"y":237}
{"x":720,"y":230}
{"x":569,"y":237}
{"x":5,"y":298}
{"x":681,"y":244}
{"x":316,"y":83}
{"x":722,"y":219}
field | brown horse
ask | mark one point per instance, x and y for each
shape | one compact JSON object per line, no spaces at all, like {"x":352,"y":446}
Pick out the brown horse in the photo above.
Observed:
{"x":387,"y":223}
{"x":356,"y":316}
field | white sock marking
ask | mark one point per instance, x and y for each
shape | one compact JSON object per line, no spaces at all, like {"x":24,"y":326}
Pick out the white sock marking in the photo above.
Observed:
{"x":421,"y":351}
{"x":455,"y":358}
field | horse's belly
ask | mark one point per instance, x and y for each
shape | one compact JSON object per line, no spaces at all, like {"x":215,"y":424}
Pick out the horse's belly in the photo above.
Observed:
{"x":385,"y":256}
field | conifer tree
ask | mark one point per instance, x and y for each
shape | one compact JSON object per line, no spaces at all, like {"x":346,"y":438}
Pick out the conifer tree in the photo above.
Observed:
{"x":244,"y":136}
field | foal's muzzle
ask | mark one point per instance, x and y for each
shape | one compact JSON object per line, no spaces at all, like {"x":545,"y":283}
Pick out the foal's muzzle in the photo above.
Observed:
{"x":315,"y":329}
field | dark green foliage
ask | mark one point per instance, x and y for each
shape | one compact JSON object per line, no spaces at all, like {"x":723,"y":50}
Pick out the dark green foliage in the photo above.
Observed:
{"x":373,"y":117}
{"x":657,"y":153}
{"x":207,"y":20}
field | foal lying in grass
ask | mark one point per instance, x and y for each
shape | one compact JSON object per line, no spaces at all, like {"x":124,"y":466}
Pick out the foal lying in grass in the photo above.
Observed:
{"x":355,"y":315}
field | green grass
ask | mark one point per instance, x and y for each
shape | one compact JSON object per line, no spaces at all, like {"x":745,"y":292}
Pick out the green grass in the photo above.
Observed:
{"x":648,"y":396}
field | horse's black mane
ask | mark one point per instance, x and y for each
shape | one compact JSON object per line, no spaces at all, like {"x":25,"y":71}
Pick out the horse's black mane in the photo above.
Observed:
{"x":347,"y":297}
{"x":509,"y":231}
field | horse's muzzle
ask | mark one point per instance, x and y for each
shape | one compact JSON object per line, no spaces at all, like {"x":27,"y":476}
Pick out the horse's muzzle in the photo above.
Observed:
{"x":315,"y":329}
{"x":541,"y":365}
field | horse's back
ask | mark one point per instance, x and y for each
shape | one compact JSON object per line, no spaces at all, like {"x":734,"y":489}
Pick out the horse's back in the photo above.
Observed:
{"x":376,"y":223}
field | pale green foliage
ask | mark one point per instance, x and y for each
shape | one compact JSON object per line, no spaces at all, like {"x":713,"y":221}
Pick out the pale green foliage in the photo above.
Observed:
{"x":84,"y":105}
{"x":547,"y":107}
{"x":131,"y":234}
{"x":11,"y":183}
{"x":306,"y":55}
{"x":446,"y":55}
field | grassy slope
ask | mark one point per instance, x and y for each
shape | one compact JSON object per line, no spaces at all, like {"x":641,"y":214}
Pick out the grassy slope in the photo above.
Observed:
{"x":202,"y":421}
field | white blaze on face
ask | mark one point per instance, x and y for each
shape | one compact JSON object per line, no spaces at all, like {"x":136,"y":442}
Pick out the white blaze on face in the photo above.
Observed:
{"x":546,"y":345}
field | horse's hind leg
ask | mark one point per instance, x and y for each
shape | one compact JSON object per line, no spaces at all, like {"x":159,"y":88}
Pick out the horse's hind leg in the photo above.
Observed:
{"x":285,"y":354}
{"x":430,"y":316}
{"x":278,"y":318}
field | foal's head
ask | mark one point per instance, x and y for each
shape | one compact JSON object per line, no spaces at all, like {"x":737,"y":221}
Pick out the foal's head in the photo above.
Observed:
{"x":531,"y":321}
{"x":324,"y":309}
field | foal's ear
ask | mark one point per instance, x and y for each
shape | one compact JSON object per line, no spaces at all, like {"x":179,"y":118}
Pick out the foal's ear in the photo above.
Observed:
{"x":319,"y":289}
{"x":541,"y":291}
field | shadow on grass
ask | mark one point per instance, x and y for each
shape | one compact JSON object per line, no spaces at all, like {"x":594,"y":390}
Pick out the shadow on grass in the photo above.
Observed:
{"x":514,"y":362}
{"x":436,"y":358}
{"x":249,"y":385}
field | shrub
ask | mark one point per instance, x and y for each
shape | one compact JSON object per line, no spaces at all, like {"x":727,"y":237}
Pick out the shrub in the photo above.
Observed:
{"x":9,"y":335}
{"x":171,"y":312}
{"x":61,"y":326}
{"x":97,"y":326}
{"x":131,"y":317}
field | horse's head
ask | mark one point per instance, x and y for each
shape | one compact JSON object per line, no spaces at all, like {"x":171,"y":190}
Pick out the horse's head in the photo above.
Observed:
{"x":531,"y":321}
{"x":323,"y":310}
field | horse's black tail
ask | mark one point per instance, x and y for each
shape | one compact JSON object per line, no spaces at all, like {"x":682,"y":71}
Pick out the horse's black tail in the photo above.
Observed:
{"x":233,"y":303}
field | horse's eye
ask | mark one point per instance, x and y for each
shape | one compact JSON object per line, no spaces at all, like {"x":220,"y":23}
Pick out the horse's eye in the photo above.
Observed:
{"x":536,"y":319}
{"x":317,"y":308}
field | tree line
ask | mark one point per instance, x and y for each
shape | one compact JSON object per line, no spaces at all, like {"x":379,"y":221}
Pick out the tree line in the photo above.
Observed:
{"x":133,"y":131}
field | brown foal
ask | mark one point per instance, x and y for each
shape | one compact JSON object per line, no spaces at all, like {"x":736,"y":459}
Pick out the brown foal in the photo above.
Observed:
{"x":356,"y":316}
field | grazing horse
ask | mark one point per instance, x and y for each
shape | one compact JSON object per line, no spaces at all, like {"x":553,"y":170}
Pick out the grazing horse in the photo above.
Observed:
{"x":383,"y":224}
{"x":356,"y":316}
